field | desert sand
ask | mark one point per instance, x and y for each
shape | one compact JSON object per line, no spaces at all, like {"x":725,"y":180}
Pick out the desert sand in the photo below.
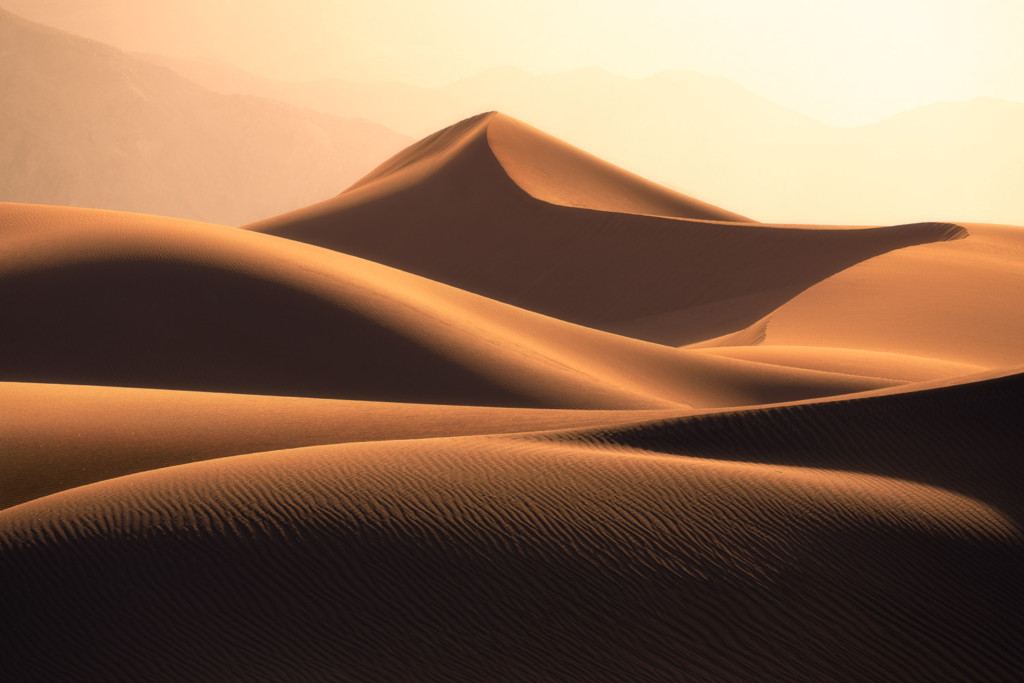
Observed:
{"x":504,"y":411}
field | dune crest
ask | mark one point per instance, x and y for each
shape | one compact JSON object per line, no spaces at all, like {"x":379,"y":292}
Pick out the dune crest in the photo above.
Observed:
{"x":569,"y":176}
{"x":141,"y":301}
{"x":579,"y":239}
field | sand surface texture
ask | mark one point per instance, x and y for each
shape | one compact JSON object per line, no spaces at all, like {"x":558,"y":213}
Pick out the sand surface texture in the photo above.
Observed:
{"x":503,"y":411}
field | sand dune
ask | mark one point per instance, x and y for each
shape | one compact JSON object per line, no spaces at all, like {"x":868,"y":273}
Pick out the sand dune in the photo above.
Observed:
{"x":958,"y":301}
{"x":484,"y":558}
{"x":958,"y":435}
{"x":147,"y":302}
{"x":502,"y":411}
{"x":498,"y":189}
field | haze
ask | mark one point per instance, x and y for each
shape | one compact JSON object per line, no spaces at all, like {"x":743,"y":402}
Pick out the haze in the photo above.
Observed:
{"x":842,"y":62}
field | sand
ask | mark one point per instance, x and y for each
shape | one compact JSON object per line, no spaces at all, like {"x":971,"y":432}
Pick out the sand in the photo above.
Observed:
{"x":562,"y":247}
{"x":502,"y":411}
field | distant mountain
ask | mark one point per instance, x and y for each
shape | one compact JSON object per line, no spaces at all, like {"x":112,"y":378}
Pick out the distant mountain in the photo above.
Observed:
{"x":87,"y":125}
{"x":711,"y":138}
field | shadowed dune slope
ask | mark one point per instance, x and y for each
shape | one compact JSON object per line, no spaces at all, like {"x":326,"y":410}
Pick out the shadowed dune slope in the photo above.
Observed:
{"x":490,"y":558}
{"x":499,"y":208}
{"x":55,"y":436}
{"x":960,"y":435}
{"x":102,"y":298}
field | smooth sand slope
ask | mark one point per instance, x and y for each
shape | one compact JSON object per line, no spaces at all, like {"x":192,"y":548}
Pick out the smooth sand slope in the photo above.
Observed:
{"x":58,"y":436}
{"x":97,"y":297}
{"x":230,"y":455}
{"x":555,"y":230}
{"x":958,"y":301}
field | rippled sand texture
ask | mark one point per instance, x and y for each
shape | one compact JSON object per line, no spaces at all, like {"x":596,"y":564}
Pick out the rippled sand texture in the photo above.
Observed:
{"x":503,"y":411}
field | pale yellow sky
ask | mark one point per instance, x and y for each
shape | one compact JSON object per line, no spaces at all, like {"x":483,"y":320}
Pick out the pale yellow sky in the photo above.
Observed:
{"x":842,"y":61}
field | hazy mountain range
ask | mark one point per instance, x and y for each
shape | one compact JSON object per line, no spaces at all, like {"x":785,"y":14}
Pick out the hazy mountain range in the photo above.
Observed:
{"x":88,"y":125}
{"x":83,"y":124}
{"x":713,"y":139}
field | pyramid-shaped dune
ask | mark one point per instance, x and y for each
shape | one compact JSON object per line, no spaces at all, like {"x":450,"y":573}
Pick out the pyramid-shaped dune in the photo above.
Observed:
{"x":503,"y":411}
{"x":502,"y":209}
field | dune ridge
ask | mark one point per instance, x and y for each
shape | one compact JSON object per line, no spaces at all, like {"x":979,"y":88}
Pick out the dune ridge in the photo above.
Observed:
{"x":56,"y":436}
{"x":672,"y":280}
{"x":199,"y":299}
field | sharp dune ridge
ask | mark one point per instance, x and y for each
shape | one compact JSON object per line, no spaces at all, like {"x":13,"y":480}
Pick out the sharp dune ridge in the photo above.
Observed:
{"x":58,"y":436}
{"x":503,"y":411}
{"x":549,"y":236}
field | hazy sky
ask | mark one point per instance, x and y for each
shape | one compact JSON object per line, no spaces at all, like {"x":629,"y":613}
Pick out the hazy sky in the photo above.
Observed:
{"x":844,"y":61}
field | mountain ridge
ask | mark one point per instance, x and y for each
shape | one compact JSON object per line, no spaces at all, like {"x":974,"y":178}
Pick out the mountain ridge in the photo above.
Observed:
{"x":84,"y":124}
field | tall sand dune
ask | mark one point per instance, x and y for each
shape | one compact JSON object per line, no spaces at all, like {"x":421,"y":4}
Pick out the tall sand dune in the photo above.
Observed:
{"x":502,"y":209}
{"x":502,"y":411}
{"x":713,"y":138}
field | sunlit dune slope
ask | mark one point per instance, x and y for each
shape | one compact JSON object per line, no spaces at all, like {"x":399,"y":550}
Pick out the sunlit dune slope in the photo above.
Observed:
{"x":502,"y":209}
{"x":95,"y":297}
{"x":958,"y":301}
{"x":960,"y":435}
{"x":503,"y":559}
{"x":58,"y":436}
{"x":934,"y":310}
{"x":895,"y":366}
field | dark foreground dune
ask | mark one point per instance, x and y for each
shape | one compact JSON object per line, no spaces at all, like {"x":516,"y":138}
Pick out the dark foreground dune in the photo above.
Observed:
{"x":501,"y":411}
{"x":487,"y":558}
